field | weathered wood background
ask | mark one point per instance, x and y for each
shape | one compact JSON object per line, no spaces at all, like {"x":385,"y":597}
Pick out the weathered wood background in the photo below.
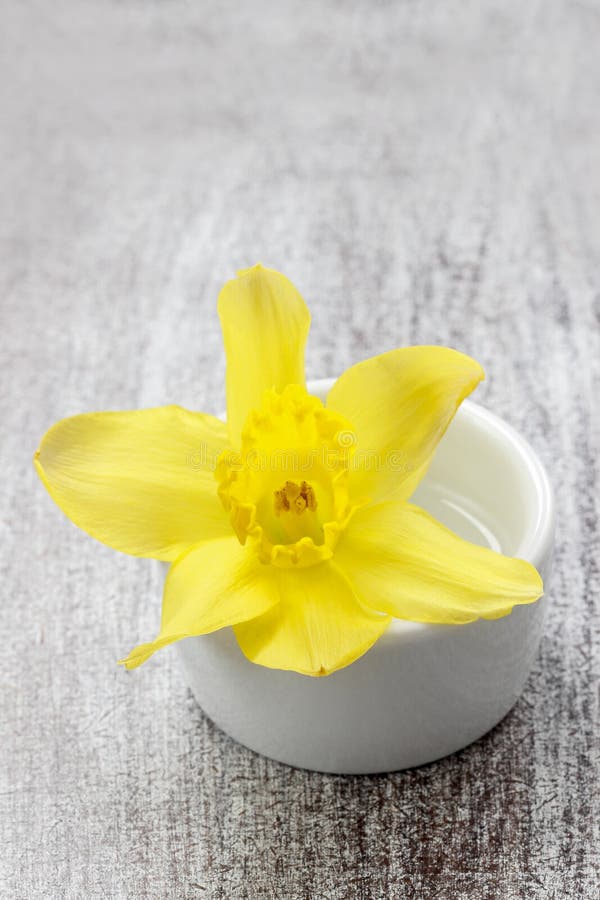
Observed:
{"x":424,"y":173}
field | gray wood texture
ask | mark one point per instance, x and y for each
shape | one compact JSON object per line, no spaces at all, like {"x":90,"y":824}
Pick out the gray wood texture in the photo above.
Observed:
{"x":425,"y":173}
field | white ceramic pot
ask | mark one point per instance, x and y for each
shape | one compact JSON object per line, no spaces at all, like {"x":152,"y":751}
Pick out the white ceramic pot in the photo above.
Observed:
{"x":423,"y":691}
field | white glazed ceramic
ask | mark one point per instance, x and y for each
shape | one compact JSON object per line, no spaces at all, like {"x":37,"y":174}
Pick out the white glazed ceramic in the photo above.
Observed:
{"x":423,"y":691}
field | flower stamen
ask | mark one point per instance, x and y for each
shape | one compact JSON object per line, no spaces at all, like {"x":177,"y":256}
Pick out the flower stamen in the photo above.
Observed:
{"x":296,"y":497}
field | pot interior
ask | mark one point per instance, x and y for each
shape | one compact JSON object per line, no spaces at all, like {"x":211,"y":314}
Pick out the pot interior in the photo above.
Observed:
{"x":485,"y":483}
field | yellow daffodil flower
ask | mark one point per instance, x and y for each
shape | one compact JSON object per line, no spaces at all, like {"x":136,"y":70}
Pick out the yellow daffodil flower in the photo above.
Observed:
{"x":291,"y":522}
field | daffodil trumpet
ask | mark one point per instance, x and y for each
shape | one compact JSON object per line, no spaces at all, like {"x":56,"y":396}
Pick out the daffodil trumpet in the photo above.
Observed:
{"x":291,"y":522}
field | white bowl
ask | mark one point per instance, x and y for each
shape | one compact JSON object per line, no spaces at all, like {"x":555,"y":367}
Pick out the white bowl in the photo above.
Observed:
{"x":423,"y":691}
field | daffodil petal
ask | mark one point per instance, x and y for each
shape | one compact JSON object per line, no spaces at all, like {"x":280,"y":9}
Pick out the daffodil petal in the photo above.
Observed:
{"x":318,"y":626}
{"x":265,"y":322}
{"x":213,"y":585}
{"x":141,"y":482}
{"x":400,"y":404}
{"x":403,"y":562}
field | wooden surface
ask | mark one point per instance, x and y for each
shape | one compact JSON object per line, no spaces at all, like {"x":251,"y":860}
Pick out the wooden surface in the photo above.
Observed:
{"x":425,"y":173}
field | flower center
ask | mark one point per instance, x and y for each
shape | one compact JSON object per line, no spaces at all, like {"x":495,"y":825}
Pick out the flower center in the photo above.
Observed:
{"x":286,"y":489}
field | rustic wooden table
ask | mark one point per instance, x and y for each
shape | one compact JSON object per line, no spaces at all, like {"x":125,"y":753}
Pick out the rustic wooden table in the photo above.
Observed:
{"x":425,"y":174}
